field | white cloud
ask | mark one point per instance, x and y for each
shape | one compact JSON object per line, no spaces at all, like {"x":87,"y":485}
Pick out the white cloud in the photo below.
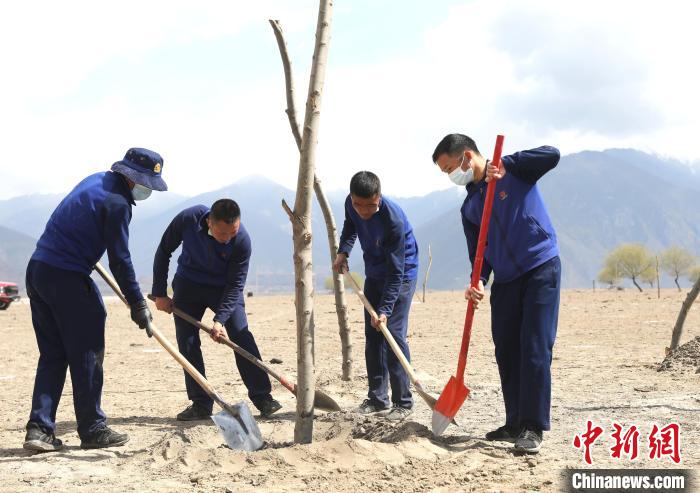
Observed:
{"x":578,"y":75}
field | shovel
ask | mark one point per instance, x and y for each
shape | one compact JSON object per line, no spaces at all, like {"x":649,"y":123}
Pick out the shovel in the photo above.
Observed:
{"x":321,"y":399}
{"x":235,"y":422}
{"x":429,"y":399}
{"x":455,"y":392}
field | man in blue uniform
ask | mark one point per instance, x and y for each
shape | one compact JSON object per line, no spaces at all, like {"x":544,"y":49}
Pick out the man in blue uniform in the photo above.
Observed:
{"x":67,"y":310}
{"x":211,"y":273}
{"x":523,"y":255}
{"x":390,"y":253}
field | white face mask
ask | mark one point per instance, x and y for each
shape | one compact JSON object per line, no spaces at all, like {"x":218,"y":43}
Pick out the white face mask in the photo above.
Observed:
{"x":460,"y":177}
{"x":139,"y":192}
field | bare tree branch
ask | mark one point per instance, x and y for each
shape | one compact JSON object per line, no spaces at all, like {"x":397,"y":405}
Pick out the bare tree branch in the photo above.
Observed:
{"x":289,"y":82}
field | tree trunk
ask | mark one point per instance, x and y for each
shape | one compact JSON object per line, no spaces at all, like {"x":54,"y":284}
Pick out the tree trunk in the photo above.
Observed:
{"x":341,"y":306}
{"x":634,"y":281}
{"x":678,"y":328}
{"x":301,"y":229}
{"x":678,"y":285}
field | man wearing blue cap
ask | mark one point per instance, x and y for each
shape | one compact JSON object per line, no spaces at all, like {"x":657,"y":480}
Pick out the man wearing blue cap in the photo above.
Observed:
{"x":67,"y":310}
{"x":390,"y":253}
{"x":211,"y":273}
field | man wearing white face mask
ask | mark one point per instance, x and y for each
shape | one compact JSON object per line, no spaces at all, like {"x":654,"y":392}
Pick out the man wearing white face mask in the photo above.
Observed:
{"x":67,"y":310}
{"x":211,"y":273}
{"x":522,"y":253}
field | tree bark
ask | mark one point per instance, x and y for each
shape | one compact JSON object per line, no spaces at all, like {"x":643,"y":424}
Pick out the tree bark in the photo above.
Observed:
{"x":301,"y":230}
{"x":678,"y":328}
{"x":634,"y":281}
{"x":341,"y":306}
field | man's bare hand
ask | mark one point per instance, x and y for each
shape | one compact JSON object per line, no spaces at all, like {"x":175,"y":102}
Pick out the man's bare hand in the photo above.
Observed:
{"x":493,"y":173}
{"x":218,"y":332}
{"x":476,"y":294}
{"x":164,"y":304}
{"x":340,"y":264}
{"x":377,"y":321}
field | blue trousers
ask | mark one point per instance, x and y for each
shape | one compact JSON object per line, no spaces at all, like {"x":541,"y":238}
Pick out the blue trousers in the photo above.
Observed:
{"x":383,"y":367}
{"x":524,"y":315}
{"x":194,"y":298}
{"x":69,"y":323}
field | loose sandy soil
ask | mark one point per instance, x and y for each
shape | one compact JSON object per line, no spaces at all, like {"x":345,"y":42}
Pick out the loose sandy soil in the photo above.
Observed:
{"x":608,"y":350}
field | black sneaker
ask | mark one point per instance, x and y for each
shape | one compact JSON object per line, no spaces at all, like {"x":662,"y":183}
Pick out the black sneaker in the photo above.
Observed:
{"x":369,"y":407}
{"x":398,"y":413}
{"x":529,"y":440}
{"x":37,"y":440}
{"x":194,"y":412}
{"x":104,"y":437}
{"x":503,"y":434}
{"x":268,"y":407}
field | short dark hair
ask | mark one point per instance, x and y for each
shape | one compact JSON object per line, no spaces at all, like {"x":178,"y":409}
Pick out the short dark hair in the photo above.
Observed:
{"x":453,"y":144}
{"x":225,"y":210}
{"x":365,"y":184}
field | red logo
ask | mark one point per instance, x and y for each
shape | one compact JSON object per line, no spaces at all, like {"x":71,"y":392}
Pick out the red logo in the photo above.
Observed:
{"x":502,"y":195}
{"x":662,"y":442}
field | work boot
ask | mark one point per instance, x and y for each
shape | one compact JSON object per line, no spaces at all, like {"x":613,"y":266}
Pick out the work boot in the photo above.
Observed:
{"x":194,"y":412}
{"x":104,"y":437}
{"x":369,"y":407}
{"x":505,"y":433}
{"x":398,"y":413}
{"x":268,"y":407}
{"x":529,"y":440}
{"x":37,"y":440}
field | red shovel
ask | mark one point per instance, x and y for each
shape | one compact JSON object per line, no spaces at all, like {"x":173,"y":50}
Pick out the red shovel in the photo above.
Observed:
{"x":455,"y":392}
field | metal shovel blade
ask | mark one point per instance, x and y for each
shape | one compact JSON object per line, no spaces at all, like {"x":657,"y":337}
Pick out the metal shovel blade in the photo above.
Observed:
{"x":325,"y":401}
{"x":238,"y":427}
{"x":446,"y":407}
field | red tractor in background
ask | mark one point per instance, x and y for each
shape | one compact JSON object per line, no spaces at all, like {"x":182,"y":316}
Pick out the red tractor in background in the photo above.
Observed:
{"x":9,"y":292}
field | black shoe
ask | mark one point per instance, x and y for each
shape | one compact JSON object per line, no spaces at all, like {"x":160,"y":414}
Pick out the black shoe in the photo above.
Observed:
{"x":529,"y":440}
{"x":37,"y":440}
{"x":268,"y":407}
{"x":503,"y":434}
{"x":104,"y":437}
{"x":194,"y":412}
{"x":398,"y":413}
{"x":369,"y":407}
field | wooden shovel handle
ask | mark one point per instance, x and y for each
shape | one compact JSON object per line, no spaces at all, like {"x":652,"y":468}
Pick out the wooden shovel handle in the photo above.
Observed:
{"x":385,"y":331}
{"x":163,"y":341}
{"x":238,"y":349}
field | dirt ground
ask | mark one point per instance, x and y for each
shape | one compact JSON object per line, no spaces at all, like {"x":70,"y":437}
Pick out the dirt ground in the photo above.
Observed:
{"x":608,"y":350}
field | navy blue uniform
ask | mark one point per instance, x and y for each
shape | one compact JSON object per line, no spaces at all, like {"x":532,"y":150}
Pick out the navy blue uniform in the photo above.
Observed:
{"x":209,"y":275}
{"x":523,"y":255}
{"x":67,"y":310}
{"x":390,"y":253}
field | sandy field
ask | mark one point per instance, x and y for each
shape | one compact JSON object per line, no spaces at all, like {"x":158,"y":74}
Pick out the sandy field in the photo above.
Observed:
{"x":608,"y":351}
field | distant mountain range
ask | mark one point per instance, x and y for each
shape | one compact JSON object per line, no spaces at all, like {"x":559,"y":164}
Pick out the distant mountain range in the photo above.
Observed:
{"x":597,"y":200}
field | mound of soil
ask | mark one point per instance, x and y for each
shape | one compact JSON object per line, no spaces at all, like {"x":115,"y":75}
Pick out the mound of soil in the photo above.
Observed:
{"x":685,"y":358}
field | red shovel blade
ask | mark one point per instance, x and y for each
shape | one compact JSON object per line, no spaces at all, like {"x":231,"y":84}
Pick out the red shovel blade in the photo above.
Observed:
{"x":446,"y":407}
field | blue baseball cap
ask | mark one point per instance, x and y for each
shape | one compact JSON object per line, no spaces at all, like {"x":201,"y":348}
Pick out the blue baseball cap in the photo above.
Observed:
{"x":143,"y":167}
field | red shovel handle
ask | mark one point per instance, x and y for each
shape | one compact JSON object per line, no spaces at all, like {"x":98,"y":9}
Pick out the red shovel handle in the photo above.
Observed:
{"x":479,"y":260}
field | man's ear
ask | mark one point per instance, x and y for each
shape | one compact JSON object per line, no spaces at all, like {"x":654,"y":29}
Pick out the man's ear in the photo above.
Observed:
{"x":468,"y":155}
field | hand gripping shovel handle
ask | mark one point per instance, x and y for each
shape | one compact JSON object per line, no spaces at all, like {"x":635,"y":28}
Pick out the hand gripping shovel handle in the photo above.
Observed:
{"x":167,"y":345}
{"x":321,"y":400}
{"x":429,"y":399}
{"x":479,"y":261}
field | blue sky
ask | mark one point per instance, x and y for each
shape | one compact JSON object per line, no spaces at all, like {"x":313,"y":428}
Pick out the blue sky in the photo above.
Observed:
{"x":202,"y":83}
